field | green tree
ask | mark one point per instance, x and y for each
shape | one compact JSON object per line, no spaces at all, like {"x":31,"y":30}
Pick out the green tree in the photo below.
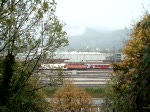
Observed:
{"x":70,"y":97}
{"x":25,"y":26}
{"x":130,"y":91}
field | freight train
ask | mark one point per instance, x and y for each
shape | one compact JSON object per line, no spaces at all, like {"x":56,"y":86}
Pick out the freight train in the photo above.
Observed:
{"x":76,"y":66}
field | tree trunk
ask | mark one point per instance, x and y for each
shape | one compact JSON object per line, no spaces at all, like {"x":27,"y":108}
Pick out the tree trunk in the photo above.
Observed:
{"x":8,"y":70}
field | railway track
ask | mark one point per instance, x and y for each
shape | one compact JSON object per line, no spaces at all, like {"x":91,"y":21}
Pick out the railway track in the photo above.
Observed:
{"x":84,"y":78}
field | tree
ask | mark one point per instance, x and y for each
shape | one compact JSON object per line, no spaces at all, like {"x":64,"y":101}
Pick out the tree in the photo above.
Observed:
{"x":71,"y":98}
{"x":25,"y":27}
{"x":131,"y":77}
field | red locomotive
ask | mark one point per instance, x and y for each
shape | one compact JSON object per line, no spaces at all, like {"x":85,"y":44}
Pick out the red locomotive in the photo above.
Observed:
{"x":76,"y":66}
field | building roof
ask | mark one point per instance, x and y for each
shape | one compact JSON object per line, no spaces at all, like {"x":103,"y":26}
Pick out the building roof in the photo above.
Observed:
{"x":75,"y":52}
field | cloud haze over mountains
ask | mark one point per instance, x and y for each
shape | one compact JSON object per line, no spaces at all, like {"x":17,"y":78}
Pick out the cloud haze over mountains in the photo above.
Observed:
{"x":94,"y":38}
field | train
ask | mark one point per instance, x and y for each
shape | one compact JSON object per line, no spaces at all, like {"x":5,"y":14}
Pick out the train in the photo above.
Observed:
{"x":76,"y":66}
{"x":54,"y":66}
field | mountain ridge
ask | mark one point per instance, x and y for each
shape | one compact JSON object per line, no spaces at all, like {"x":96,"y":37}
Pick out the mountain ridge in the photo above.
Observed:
{"x":92,"y":38}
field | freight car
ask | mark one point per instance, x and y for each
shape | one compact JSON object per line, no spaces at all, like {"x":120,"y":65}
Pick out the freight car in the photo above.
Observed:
{"x":100,"y":66}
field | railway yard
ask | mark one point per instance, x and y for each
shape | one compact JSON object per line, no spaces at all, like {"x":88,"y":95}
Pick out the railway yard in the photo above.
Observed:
{"x":83,"y":78}
{"x":86,"y":79}
{"x":89,"y":78}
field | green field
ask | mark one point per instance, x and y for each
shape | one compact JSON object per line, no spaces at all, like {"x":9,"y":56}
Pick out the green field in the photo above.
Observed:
{"x":94,"y":92}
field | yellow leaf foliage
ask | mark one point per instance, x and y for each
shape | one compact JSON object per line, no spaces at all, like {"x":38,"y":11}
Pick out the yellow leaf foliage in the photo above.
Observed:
{"x":70,"y":97}
{"x":134,"y":52}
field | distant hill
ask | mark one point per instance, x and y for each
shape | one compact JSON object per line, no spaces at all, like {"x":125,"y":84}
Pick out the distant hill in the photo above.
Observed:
{"x":99,"y":39}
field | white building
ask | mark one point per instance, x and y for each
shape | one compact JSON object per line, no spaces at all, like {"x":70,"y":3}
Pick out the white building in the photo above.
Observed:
{"x":81,"y":56}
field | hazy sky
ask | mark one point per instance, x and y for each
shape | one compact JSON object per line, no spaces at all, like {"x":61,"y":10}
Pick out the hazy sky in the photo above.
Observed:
{"x":103,"y":14}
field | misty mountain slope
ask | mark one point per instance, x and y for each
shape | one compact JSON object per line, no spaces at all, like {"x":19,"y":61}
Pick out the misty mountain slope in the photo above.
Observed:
{"x":99,"y":39}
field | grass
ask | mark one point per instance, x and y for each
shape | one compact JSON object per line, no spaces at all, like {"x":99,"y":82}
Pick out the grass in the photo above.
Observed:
{"x":94,"y":92}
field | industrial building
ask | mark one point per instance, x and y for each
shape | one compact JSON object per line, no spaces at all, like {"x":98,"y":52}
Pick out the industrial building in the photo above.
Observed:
{"x":80,"y":56}
{"x":77,"y":56}
{"x":87,"y":56}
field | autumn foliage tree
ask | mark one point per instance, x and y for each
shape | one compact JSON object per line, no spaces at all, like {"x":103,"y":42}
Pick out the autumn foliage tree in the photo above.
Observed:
{"x":131,"y":88}
{"x":71,"y":98}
